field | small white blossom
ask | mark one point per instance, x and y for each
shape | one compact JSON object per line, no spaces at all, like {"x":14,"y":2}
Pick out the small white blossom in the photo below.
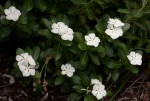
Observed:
{"x":67,"y":69}
{"x":95,"y":81}
{"x":12,"y":13}
{"x":115,"y":22}
{"x":67,"y":34}
{"x":135,"y":58}
{"x":98,"y":89}
{"x":114,"y":28}
{"x":92,"y":40}
{"x":26,"y":64}
{"x":58,"y":28}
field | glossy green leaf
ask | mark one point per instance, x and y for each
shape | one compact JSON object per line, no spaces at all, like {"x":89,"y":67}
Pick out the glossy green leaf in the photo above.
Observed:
{"x":84,"y":58}
{"x":115,"y":75}
{"x":95,"y":59}
{"x":89,"y":12}
{"x":100,"y":2}
{"x":58,"y":52}
{"x":36,"y":52}
{"x":62,"y":18}
{"x":126,"y":27}
{"x":78,"y":88}
{"x":59,"y":80}
{"x":148,"y":48}
{"x":74,"y":97}
{"x":19,"y":51}
{"x":126,"y":11}
{"x":46,"y":33}
{"x":82,"y":46}
{"x":28,"y":4}
{"x":41,"y":5}
{"x":78,"y":37}
{"x":75,"y":79}
{"x":89,"y":97}
{"x":46,"y":23}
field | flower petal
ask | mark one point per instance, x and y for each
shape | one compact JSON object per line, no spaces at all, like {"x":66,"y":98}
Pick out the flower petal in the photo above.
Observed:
{"x":26,"y":73}
{"x":32,"y":71}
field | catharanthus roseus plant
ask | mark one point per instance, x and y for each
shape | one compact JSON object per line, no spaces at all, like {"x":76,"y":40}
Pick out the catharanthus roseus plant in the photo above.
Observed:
{"x":79,"y":46}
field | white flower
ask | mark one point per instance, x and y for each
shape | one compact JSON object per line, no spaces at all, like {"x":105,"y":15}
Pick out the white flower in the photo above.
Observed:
{"x":95,"y":81}
{"x":114,"y":28}
{"x":26,"y":64}
{"x":115,"y":22}
{"x":98,"y":89}
{"x":67,"y":34}
{"x":92,"y":40}
{"x":67,"y":69}
{"x":58,"y":28}
{"x":135,"y":58}
{"x":12,"y":13}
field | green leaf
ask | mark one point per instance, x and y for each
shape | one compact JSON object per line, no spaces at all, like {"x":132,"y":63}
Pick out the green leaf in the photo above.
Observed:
{"x":95,"y":59}
{"x":85,"y":80}
{"x":99,"y":49}
{"x":59,"y":80}
{"x":100,"y":28}
{"x":7,"y":4}
{"x":64,"y":42}
{"x":148,"y":48}
{"x":89,"y":97}
{"x":23,"y":27}
{"x":16,"y":72}
{"x":5,"y":32}
{"x":58,"y":52}
{"x":23,"y":19}
{"x":78,"y":88}
{"x":133,"y":69}
{"x":74,"y":97}
{"x":37,"y":76}
{"x":75,"y":79}
{"x":28,"y":5}
{"x":140,"y":25}
{"x":74,"y":10}
{"x":121,"y":45}
{"x":82,"y":46}
{"x":62,"y":18}
{"x":148,"y":25}
{"x":126,"y":27}
{"x":89,"y":12}
{"x":46,"y":33}
{"x":79,"y":2}
{"x":74,"y":49}
{"x":84,"y":58}
{"x":138,"y":13}
{"x":78,"y":37}
{"x":46,"y":23}
{"x":144,"y":3}
{"x":126,"y":11}
{"x":41,"y":5}
{"x":1,"y":9}
{"x":19,"y":51}
{"x":36,"y":52}
{"x":109,"y":50}
{"x":112,"y":63}
{"x":100,"y":2}
{"x":115,"y":75}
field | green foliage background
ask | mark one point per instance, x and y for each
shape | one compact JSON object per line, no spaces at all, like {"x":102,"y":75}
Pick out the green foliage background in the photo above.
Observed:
{"x":106,"y":62}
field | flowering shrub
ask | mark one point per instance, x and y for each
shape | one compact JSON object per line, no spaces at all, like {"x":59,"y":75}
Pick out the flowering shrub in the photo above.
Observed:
{"x":80,"y":45}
